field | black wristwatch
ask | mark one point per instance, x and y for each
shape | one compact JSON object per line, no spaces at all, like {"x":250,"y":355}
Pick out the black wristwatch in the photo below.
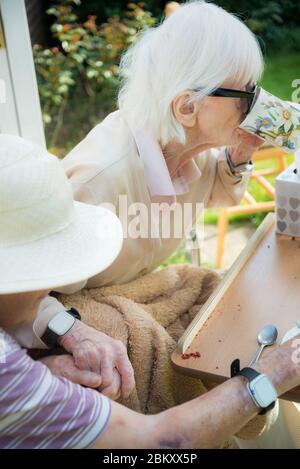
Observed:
{"x":261,"y":389}
{"x":59,"y":325}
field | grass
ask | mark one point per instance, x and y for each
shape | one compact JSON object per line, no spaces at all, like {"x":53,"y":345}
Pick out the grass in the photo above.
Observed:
{"x":280,"y":72}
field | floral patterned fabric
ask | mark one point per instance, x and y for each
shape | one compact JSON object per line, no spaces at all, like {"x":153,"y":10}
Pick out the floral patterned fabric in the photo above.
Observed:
{"x":276,"y":121}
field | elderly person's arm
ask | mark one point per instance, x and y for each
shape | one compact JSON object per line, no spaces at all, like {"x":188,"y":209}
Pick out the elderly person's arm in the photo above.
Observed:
{"x":80,"y":417}
{"x":205,"y":422}
{"x":98,"y":360}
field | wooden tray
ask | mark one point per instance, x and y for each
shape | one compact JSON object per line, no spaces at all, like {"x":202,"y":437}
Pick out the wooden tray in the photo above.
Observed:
{"x":262,"y":287}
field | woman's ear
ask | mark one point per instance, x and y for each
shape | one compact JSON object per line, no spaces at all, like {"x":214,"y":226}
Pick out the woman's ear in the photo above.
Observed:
{"x":184,"y":111}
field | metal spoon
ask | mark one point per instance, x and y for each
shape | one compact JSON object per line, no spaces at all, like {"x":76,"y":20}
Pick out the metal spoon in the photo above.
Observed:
{"x":267,"y":336}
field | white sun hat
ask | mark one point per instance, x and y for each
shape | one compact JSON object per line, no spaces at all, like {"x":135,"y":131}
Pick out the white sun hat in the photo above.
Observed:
{"x":46,"y":239}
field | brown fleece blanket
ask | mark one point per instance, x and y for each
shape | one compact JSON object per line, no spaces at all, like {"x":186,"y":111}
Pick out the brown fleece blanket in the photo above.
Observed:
{"x":149,"y":315}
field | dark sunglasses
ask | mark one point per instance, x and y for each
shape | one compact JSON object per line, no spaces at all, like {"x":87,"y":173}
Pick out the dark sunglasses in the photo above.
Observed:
{"x":249,"y":96}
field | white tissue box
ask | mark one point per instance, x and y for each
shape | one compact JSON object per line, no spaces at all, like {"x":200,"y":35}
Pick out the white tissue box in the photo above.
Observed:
{"x":287,"y":202}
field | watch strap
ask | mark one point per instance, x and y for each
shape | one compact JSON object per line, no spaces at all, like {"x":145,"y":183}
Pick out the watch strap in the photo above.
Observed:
{"x":50,"y":338}
{"x":240,"y":169}
{"x":74,"y":313}
{"x":249,"y":373}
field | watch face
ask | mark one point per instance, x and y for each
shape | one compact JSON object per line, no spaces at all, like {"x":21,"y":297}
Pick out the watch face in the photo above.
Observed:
{"x":61,"y":323}
{"x":263,"y":391}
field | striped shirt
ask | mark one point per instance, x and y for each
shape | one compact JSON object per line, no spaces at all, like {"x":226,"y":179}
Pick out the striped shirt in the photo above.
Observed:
{"x":39,"y":410}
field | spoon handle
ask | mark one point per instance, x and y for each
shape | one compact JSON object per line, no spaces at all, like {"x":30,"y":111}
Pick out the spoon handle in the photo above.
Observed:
{"x":257,"y":355}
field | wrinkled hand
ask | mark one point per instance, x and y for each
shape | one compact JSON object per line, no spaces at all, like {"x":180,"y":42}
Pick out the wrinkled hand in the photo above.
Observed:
{"x":282,"y":365}
{"x":96,"y":352}
{"x":64,"y":366}
{"x":244,"y":147}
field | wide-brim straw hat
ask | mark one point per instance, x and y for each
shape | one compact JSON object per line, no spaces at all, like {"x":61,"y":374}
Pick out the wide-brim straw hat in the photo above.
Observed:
{"x":46,"y":239}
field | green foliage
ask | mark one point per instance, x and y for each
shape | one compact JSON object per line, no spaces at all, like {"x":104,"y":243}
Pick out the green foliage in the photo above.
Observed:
{"x":275,"y":22}
{"x":78,"y":78}
{"x":280,"y":72}
{"x":81,"y":72}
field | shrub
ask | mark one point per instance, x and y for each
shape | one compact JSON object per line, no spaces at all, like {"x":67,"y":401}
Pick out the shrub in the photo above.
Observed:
{"x":78,"y":79}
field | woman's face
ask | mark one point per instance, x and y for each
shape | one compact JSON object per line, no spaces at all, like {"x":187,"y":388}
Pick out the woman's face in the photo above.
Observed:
{"x":219,"y":117}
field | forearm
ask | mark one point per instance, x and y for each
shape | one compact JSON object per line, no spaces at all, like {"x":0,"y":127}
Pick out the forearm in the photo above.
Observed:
{"x":211,"y":419}
{"x":204,"y":422}
{"x":48,"y":309}
{"x":29,"y":334}
{"x":207,"y":421}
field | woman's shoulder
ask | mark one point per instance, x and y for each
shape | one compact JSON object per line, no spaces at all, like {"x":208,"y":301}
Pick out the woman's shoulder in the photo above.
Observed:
{"x":109,"y":144}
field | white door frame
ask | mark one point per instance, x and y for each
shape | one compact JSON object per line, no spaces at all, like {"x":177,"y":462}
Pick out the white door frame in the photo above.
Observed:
{"x":20,"y":111}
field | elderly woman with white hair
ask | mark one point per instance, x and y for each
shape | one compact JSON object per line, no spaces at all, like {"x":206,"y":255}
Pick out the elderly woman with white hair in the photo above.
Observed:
{"x":186,"y":86}
{"x":174,"y":141}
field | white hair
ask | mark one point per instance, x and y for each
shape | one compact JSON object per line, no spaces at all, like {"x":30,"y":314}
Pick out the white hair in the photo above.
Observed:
{"x":199,"y":45}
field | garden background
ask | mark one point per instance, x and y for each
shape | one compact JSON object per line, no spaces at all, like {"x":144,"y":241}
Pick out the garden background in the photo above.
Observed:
{"x":78,"y":57}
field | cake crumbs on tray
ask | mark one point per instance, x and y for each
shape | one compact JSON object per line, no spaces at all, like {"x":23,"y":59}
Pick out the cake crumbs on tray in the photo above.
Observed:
{"x":186,"y":356}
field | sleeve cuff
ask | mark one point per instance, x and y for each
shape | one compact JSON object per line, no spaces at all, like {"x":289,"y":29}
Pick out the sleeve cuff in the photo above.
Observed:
{"x":49,"y":308}
{"x":225,"y":170}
